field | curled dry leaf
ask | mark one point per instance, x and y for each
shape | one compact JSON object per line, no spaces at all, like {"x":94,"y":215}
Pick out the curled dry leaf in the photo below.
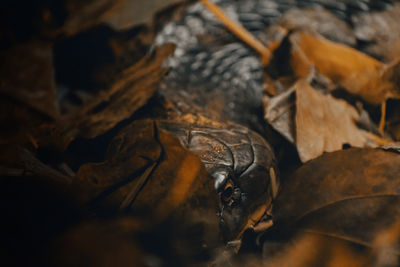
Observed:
{"x":349,"y":195}
{"x":83,"y":15}
{"x":124,"y":159}
{"x":166,"y":189}
{"x":18,"y":161}
{"x":149,"y":175}
{"x":316,"y":122}
{"x":127,"y":13}
{"x":355,"y":71}
{"x":325,"y":124}
{"x":279,"y":112}
{"x":131,"y":90}
{"x":120,"y":14}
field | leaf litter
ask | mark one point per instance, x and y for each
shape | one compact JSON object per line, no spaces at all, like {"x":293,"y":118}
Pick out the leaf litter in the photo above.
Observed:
{"x":335,"y":203}
{"x":349,"y":196}
{"x":315,"y":121}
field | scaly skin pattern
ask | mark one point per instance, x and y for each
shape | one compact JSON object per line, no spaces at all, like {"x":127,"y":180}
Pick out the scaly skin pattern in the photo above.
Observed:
{"x":217,"y":71}
{"x":216,"y":80}
{"x":239,"y":160}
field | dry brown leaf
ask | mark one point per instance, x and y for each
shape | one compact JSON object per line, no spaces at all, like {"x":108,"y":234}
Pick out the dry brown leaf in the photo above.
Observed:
{"x":18,"y":161}
{"x":83,"y":15}
{"x":127,"y":13}
{"x":313,"y":250}
{"x":279,"y":112}
{"x":147,"y":174}
{"x":350,"y":195}
{"x":355,"y":71}
{"x":132,"y":90}
{"x":386,"y":245}
{"x":325,"y":124}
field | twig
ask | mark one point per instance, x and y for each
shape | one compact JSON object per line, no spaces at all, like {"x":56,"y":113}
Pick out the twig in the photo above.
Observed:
{"x":383,"y":118}
{"x":240,"y":32}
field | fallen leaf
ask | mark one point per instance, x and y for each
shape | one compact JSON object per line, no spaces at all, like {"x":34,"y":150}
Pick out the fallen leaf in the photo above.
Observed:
{"x":359,"y":73}
{"x":350,"y":195}
{"x":83,"y":15}
{"x":343,"y":219}
{"x":386,"y":245}
{"x":132,"y":90}
{"x":279,"y":113}
{"x":18,"y":161}
{"x":127,"y":13}
{"x":325,"y":124}
{"x":309,"y":249}
{"x":150,"y":176}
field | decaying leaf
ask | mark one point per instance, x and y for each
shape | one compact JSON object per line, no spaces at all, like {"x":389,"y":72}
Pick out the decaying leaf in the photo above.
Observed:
{"x":127,"y":13}
{"x":279,"y":112}
{"x":124,"y":159}
{"x":315,"y":122}
{"x":349,"y":195}
{"x":166,"y":189}
{"x":130,"y":92}
{"x":83,"y":15}
{"x":325,"y":124}
{"x":18,"y":161}
{"x":149,"y":175}
{"x":358,"y":73}
{"x":386,"y":245}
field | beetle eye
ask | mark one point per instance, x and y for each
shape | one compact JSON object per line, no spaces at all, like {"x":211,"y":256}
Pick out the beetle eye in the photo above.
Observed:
{"x":228,"y":192}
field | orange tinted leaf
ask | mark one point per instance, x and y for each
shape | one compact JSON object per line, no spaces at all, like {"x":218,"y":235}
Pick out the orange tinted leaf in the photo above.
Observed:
{"x":349,"y":195}
{"x":325,"y":124}
{"x":310,"y":249}
{"x":358,"y":73}
{"x":148,"y":174}
{"x":131,"y":91}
